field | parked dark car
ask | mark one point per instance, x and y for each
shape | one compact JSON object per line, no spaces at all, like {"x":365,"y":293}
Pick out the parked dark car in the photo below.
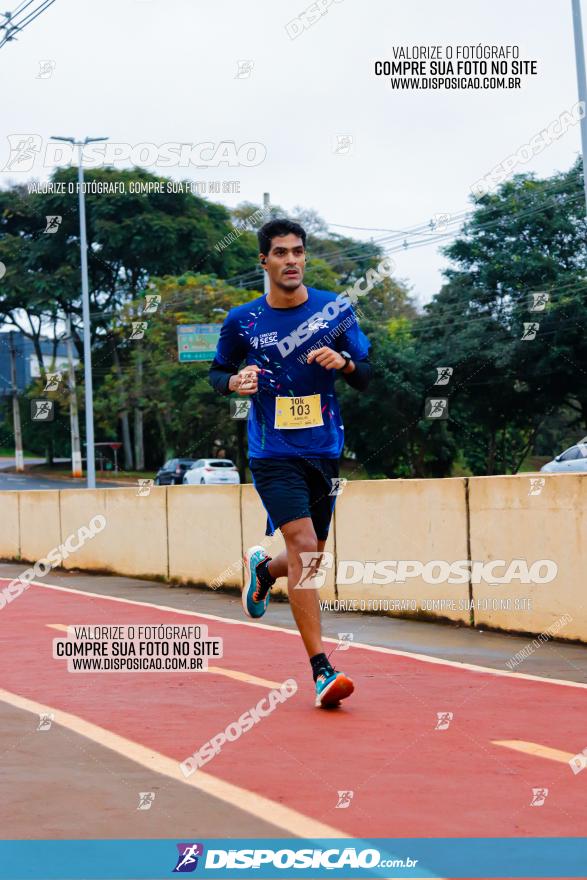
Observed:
{"x":172,"y":471}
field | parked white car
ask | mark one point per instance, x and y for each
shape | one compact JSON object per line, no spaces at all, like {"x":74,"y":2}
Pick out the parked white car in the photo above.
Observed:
{"x":572,"y":460}
{"x":208,"y":471}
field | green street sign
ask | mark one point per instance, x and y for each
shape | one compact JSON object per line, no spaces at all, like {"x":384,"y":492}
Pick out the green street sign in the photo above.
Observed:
{"x":197,"y":342}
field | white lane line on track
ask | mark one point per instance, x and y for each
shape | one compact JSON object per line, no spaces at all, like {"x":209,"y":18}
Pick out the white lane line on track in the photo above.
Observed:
{"x":535,"y":749}
{"x":249,"y":802}
{"x":424,"y":658}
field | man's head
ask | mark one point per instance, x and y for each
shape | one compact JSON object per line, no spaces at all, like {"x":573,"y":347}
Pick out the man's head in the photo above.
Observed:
{"x":282,"y":246}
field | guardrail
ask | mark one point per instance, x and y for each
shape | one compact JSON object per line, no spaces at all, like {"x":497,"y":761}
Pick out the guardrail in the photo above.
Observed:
{"x":401,"y":547}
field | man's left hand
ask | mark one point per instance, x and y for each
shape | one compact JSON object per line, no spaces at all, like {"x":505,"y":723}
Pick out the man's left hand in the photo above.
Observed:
{"x":327,"y":358}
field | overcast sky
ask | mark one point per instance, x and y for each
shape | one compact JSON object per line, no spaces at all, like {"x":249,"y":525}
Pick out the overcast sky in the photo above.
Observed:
{"x":157,"y":72}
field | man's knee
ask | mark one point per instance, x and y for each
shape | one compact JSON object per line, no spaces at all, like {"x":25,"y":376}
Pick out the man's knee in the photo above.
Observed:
{"x":300,"y":537}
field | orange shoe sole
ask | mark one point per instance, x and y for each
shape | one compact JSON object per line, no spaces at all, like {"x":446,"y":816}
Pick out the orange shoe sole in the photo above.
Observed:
{"x":340,"y":688}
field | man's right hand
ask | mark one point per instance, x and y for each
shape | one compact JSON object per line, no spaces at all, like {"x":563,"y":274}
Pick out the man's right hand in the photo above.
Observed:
{"x":245,"y":383}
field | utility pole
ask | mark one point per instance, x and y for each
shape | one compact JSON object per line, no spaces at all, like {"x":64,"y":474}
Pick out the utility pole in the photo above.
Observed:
{"x":266,"y":286}
{"x":581,"y":84}
{"x":91,"y":462}
{"x":139,"y":445}
{"x":76,"y":456}
{"x":19,"y":457}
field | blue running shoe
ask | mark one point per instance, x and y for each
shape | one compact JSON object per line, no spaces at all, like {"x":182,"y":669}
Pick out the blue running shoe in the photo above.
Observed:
{"x":331,"y":689}
{"x":255,"y":598}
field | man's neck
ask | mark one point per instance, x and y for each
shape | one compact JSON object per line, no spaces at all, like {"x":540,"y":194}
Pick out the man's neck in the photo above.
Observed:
{"x":280,"y":299}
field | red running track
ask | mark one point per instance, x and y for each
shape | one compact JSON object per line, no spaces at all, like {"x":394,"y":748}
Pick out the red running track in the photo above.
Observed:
{"x":408,"y":779}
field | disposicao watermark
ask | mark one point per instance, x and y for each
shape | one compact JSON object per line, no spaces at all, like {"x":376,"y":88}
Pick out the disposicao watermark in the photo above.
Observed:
{"x":436,"y":571}
{"x":28,"y":150}
{"x":53,"y":558}
{"x":519,"y":657}
{"x":333,"y":308}
{"x":235,"y":729}
{"x":555,"y":129}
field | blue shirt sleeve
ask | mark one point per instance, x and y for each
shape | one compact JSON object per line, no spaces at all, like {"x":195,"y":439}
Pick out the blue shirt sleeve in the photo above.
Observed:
{"x":232,"y":346}
{"x":352,"y":339}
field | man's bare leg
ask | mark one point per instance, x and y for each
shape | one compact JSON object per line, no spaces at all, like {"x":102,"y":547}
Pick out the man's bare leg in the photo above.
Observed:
{"x":300,"y":537}
{"x":278,"y":566}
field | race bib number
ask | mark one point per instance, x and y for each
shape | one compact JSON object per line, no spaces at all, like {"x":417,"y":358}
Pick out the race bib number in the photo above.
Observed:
{"x":298,"y":412}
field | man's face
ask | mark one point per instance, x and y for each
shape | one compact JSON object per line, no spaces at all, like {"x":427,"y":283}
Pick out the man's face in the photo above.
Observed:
{"x":285,"y":261}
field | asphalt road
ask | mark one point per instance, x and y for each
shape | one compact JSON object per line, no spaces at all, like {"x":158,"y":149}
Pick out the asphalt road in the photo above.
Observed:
{"x":30,"y":480}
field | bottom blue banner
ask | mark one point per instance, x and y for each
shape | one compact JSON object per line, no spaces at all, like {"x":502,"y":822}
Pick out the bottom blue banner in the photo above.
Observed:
{"x":504,"y":857}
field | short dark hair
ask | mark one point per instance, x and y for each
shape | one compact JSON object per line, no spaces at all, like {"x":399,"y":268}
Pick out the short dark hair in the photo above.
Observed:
{"x":275,"y":228}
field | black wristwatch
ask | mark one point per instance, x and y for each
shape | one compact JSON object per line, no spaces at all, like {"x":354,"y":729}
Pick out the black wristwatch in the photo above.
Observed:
{"x":347,"y":359}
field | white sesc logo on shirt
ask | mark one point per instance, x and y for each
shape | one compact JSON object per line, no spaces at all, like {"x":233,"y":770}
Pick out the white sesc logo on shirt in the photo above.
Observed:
{"x":268,"y":339}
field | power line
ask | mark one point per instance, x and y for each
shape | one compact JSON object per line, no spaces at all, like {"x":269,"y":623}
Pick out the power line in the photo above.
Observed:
{"x":13,"y":26}
{"x":419,"y":229}
{"x":243,"y":281}
{"x":386,"y":242}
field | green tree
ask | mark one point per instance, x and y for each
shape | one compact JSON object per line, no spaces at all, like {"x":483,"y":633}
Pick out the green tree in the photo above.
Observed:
{"x":527,"y":237}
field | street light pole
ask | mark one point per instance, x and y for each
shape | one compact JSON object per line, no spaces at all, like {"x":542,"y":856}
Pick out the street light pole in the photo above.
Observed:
{"x":18,"y":453}
{"x":91,"y":462}
{"x":76,"y":456}
{"x":266,"y":283}
{"x":581,"y":83}
{"x":89,"y":395}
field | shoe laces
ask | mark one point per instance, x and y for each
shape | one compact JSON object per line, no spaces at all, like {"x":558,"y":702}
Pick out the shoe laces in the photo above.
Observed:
{"x":261,"y":592}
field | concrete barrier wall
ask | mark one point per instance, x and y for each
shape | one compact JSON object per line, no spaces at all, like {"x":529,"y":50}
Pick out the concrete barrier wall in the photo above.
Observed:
{"x":39,"y":522}
{"x":204,"y":527}
{"x":9,"y":525}
{"x":141,"y":523}
{"x":392,"y":520}
{"x":508,"y":522}
{"x":198,"y":534}
{"x":134,"y":539}
{"x":254,"y":524}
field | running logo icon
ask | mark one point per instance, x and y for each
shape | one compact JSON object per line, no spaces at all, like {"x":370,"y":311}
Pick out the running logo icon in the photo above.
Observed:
{"x":53,"y":380}
{"x":46,"y":720}
{"x":536,"y":485}
{"x":314,"y":565}
{"x":439,"y":222}
{"x":436,"y":408}
{"x":41,"y":410}
{"x":53,"y":223}
{"x":345,"y":641}
{"x":152,"y":302}
{"x":23,"y":151}
{"x":444,"y":719}
{"x":343,"y":145}
{"x":239,"y":409}
{"x":578,"y":762}
{"x":530,"y":330}
{"x":338,"y":485}
{"x":146,"y":799}
{"x":539,"y":795}
{"x":537,"y":301}
{"x":187,"y":860}
{"x":138,"y":329}
{"x":46,"y":68}
{"x":344,"y":799}
{"x":444,"y":375}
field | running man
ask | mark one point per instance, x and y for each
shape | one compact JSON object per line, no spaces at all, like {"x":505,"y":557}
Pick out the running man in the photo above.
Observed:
{"x":294,"y":342}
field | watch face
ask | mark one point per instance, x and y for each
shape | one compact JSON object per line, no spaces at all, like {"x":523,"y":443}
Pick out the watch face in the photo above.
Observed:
{"x":345,"y":354}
